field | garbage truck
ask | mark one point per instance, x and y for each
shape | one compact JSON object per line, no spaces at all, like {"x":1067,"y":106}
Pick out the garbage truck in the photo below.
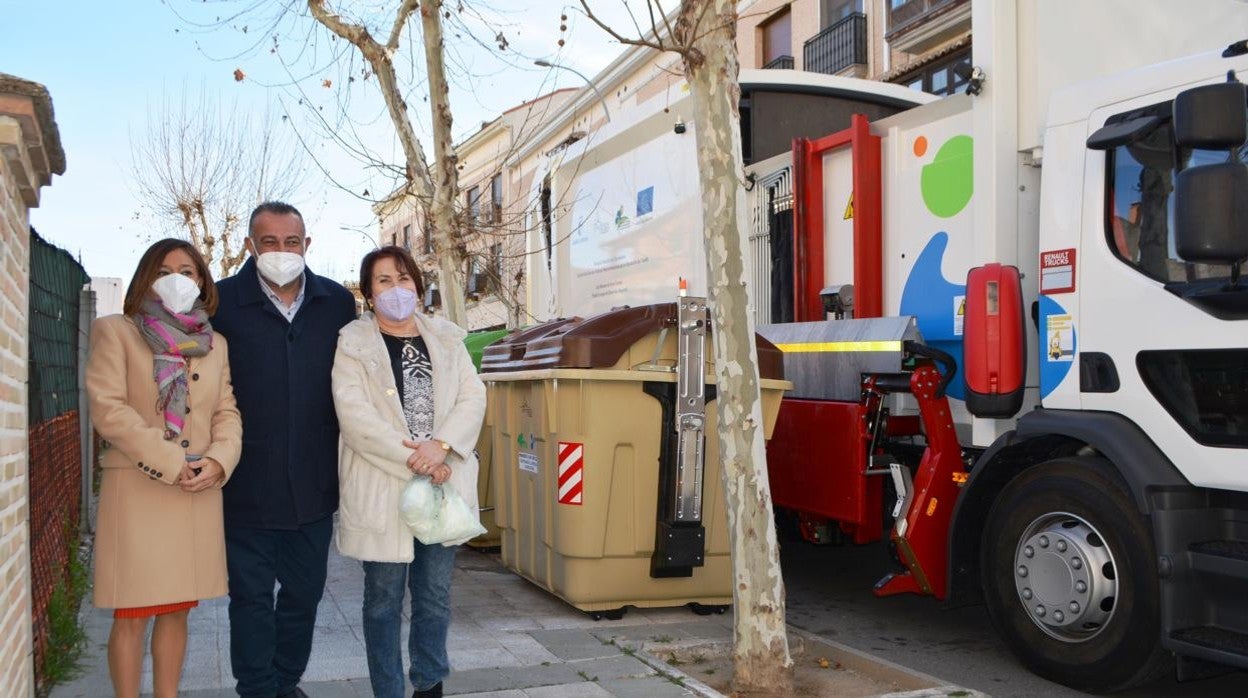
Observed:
{"x":1017,"y":331}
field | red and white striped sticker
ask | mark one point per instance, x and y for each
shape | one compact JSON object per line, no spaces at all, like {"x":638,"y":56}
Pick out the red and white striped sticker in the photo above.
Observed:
{"x":571,"y":467}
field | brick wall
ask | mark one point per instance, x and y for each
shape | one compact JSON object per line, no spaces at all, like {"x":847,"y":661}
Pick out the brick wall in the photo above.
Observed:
{"x":15,"y":645}
{"x":30,"y":152}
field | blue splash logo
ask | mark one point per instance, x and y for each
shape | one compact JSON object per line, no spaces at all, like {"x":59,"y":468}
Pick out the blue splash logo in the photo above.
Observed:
{"x":1058,"y":344}
{"x":930,"y":298}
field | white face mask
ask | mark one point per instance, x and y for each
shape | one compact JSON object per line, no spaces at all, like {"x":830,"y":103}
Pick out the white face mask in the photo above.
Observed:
{"x":280,"y":268}
{"x":177,"y":292}
{"x":396,"y":303}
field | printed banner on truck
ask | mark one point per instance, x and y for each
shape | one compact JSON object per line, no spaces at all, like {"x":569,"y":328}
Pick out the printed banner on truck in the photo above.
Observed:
{"x":636,"y":227}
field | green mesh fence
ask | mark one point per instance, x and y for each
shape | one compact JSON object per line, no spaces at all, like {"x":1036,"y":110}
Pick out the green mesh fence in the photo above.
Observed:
{"x":56,"y":280}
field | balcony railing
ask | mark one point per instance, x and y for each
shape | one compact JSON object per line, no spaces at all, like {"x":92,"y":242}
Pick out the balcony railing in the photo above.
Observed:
{"x":838,"y":47}
{"x":780,"y":63}
{"x":907,"y":14}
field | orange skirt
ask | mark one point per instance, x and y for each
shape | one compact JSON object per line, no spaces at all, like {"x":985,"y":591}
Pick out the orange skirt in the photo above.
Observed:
{"x":149,"y":611}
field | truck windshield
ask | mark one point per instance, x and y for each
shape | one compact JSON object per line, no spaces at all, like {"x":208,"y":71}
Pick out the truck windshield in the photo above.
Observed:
{"x":1139,"y":206}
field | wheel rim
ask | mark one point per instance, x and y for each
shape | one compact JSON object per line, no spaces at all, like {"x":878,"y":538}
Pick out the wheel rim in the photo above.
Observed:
{"x":1066,"y":577}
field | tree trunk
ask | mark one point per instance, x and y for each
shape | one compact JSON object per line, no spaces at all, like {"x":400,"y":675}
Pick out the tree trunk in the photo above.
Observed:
{"x":445,"y":174}
{"x":438,"y":193}
{"x":761,"y":662}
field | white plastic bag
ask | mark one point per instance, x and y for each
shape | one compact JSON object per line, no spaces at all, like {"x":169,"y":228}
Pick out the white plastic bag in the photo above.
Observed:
{"x":437,"y":514}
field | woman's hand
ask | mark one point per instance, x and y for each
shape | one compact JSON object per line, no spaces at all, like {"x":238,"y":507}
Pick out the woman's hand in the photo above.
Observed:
{"x":186,"y":473}
{"x":426,"y":458}
{"x":211,"y":474}
{"x":441,"y":474}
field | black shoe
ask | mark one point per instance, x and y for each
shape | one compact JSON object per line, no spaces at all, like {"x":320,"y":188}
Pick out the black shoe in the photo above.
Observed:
{"x":295,"y":692}
{"x":435,"y":692}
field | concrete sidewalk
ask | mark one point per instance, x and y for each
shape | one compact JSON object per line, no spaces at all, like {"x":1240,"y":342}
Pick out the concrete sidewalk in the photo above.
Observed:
{"x":508,"y":639}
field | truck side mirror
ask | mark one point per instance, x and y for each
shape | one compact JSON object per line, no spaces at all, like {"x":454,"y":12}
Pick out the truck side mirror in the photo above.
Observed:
{"x":1211,"y":213}
{"x":1211,"y":117}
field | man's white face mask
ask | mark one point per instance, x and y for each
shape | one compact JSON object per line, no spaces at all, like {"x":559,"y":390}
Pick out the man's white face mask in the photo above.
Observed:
{"x":280,"y":268}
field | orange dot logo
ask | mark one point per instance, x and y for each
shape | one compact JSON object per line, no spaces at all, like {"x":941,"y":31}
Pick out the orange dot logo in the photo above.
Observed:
{"x":920,"y":146}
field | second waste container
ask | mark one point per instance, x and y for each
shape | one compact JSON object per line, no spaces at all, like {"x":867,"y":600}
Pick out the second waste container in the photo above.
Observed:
{"x":476,"y":342}
{"x":584,"y":417}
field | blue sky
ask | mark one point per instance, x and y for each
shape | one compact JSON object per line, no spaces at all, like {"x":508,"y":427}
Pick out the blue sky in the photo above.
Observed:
{"x":105,"y":63}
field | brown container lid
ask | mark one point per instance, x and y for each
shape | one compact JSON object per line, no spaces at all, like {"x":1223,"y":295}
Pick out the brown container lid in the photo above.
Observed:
{"x":598,"y":342}
{"x":508,"y":352}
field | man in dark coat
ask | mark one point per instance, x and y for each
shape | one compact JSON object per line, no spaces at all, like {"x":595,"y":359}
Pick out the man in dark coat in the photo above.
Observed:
{"x":282,"y":324}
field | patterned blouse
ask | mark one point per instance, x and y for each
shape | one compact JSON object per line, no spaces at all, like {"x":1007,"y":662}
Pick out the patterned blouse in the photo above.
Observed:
{"x":413,"y":375}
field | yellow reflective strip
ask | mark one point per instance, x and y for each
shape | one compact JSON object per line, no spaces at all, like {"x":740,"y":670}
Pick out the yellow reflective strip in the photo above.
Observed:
{"x":839,"y":346}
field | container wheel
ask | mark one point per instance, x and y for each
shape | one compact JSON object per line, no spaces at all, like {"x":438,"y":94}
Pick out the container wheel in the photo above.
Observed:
{"x":613,"y":614}
{"x":1068,"y":572}
{"x":706,"y":610}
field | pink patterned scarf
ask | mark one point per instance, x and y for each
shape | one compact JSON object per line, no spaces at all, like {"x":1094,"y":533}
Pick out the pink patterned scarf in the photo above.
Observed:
{"x":173,"y":338}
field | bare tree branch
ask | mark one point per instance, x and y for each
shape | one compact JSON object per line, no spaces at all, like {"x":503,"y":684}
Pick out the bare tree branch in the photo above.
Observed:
{"x":401,"y":16}
{"x":383,"y":67}
{"x":657,"y":44}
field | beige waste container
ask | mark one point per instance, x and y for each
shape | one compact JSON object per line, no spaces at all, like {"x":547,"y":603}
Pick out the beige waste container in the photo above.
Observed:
{"x":576,"y":410}
{"x":476,"y":342}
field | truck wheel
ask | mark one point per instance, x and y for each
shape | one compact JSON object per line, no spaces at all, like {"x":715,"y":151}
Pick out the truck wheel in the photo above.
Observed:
{"x":1069,"y":577}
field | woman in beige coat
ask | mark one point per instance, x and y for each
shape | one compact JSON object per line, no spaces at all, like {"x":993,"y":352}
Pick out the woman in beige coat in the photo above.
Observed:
{"x":158,"y":381}
{"x":409,"y":403}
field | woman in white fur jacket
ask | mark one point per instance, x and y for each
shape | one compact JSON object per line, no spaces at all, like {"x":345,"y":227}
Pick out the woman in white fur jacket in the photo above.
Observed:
{"x":409,"y":403}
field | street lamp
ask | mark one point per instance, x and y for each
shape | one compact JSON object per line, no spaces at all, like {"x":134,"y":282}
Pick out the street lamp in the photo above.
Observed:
{"x":547,"y":64}
{"x":352,"y":229}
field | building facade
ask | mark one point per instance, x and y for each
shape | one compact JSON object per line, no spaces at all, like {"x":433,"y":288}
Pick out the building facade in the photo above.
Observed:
{"x":490,"y":215}
{"x":507,"y":205}
{"x":922,"y":44}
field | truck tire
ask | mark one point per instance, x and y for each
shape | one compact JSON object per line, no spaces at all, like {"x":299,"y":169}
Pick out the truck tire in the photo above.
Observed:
{"x":1069,"y":577}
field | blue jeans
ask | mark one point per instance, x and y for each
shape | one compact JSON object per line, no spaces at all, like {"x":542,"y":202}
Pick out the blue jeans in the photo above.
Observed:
{"x":428,"y":578}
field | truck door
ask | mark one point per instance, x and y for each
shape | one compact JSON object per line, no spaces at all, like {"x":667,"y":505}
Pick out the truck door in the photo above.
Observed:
{"x":1131,"y":342}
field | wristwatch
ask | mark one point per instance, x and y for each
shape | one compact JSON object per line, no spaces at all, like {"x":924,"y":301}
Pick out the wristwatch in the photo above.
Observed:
{"x":445,"y":446}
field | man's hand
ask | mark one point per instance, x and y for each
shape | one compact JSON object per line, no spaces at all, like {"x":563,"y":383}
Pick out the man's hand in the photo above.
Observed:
{"x":211,"y":474}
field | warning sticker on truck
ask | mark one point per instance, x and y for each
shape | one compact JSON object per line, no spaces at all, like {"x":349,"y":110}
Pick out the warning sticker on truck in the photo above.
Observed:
{"x":1060,"y":339}
{"x":959,"y":314}
{"x":527,"y":462}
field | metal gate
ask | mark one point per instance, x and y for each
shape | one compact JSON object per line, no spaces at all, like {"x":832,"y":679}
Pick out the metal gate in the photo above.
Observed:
{"x":771,"y":215}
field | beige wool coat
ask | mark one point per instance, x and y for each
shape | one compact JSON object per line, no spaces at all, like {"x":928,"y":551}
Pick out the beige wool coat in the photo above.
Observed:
{"x":154,"y":543}
{"x":372,"y":461}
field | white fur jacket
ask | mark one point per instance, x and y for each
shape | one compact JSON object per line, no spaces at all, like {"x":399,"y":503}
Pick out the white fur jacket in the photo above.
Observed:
{"x":372,"y":460}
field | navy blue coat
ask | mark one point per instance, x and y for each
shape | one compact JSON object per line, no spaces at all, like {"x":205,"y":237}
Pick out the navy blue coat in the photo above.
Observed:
{"x":288,"y":473}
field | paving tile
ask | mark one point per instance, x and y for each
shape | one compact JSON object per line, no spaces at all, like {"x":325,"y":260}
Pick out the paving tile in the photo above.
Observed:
{"x":500,"y":679}
{"x":490,"y":694}
{"x":509,"y":623}
{"x":470,"y":639}
{"x":574,"y":644}
{"x":334,"y":669}
{"x":208,"y":693}
{"x":463,"y":660}
{"x":584,"y":689}
{"x":610,"y":668}
{"x":525,"y":648}
{"x":647,"y":687}
{"x":697,"y":630}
